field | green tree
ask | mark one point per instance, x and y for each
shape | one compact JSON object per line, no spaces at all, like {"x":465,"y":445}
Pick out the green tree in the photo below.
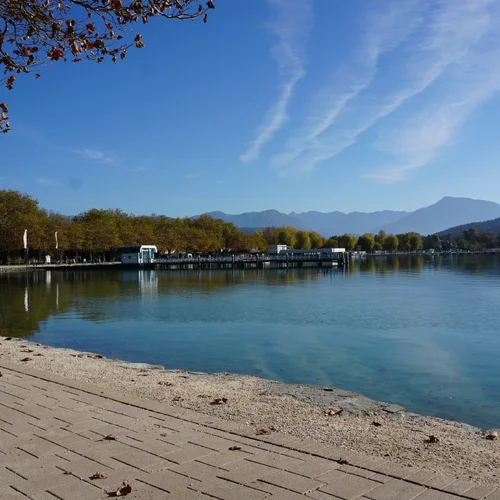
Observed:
{"x":302,"y":240}
{"x":347,"y":241}
{"x":366,"y":242}
{"x":463,"y":244}
{"x":380,"y":237}
{"x":316,"y":239}
{"x":331,"y":243}
{"x":391,"y":243}
{"x":415,"y":242}
{"x":17,"y":213}
{"x":286,"y":236}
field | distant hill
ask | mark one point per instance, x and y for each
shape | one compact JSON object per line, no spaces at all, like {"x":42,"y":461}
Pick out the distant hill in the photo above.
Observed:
{"x":326,"y":224}
{"x":489,"y":226}
{"x":267,"y":218}
{"x":448,"y":212}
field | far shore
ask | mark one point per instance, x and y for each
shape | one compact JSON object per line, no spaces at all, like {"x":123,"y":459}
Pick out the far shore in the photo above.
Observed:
{"x":363,"y":425}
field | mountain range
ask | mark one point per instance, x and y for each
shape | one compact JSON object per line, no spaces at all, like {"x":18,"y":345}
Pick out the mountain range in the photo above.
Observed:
{"x":446,"y":213}
{"x":489,"y":226}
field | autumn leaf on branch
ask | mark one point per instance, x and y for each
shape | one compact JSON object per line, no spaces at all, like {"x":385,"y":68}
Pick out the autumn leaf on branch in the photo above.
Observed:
{"x":34,"y":32}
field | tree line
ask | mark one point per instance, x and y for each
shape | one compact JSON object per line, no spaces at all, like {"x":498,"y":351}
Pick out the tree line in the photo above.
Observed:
{"x":99,"y":233}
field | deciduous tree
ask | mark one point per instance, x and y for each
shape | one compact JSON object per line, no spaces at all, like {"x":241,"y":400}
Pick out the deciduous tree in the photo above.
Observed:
{"x":347,"y":241}
{"x":302,"y":240}
{"x":366,"y":242}
{"x":34,"y":32}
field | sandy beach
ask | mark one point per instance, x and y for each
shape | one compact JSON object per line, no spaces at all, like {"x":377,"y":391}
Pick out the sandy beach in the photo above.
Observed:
{"x":363,"y":425}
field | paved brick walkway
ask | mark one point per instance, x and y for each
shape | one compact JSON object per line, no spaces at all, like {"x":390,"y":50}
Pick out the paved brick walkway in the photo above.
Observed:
{"x":52,"y":442}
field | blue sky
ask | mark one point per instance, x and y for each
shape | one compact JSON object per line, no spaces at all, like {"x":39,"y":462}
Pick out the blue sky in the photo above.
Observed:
{"x":294,"y":105}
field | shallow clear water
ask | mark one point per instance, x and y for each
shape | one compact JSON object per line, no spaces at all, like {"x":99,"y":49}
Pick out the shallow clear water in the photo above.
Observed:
{"x":421,"y":332}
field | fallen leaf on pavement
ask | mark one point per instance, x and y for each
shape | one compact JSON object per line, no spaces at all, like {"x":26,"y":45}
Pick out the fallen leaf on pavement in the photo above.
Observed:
{"x":219,"y":401}
{"x":333,"y":411}
{"x":343,"y":461}
{"x":8,"y":338}
{"x":26,"y":359}
{"x":178,"y":398}
{"x":38,"y":354}
{"x":265,"y":430}
{"x":26,"y":350}
{"x":109,"y":437}
{"x":433,"y":439}
{"x":98,"y":475}
{"x":124,"y":489}
{"x":203,"y":396}
{"x":163,"y":382}
{"x":492,"y":436}
{"x":377,"y":424}
{"x":328,"y":389}
{"x":234,"y":448}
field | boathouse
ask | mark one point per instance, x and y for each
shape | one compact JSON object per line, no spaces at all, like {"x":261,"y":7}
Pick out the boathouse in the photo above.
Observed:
{"x":144,"y":254}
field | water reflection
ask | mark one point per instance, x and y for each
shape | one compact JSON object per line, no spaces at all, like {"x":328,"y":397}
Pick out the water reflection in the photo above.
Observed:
{"x":419,"y":330}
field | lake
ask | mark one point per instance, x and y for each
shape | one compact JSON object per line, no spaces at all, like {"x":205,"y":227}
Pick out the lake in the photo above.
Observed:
{"x":423,"y":332}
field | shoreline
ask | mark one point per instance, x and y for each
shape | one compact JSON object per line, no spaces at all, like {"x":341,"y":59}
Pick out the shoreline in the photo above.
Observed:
{"x":365,"y":425}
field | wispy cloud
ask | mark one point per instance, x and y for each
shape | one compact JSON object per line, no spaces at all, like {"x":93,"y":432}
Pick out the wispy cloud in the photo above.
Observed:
{"x":386,"y":29}
{"x":96,"y":155}
{"x":44,"y":181}
{"x":440,"y":36}
{"x":291,"y":27}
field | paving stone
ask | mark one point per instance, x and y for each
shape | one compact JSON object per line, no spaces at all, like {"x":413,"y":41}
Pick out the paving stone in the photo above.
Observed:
{"x":75,"y":489}
{"x":479,"y":492}
{"x":10,"y":494}
{"x":435,"y":495}
{"x":439,"y":481}
{"x":458,"y":487}
{"x":288,"y":495}
{"x":152,"y":446}
{"x":248,"y":472}
{"x":42,"y":483}
{"x":278,"y":461}
{"x":319,"y":495}
{"x":188,"y":453}
{"x":309,"y":445}
{"x":332,"y":476}
{"x":422,"y":476}
{"x":225,"y":490}
{"x":314,"y":467}
{"x":224,"y":458}
{"x":350,"y":487}
{"x":196,"y":470}
{"x":292,"y":482}
{"x":140,"y":460}
{"x":168,"y":481}
{"x":395,"y":490}
{"x":495,"y":495}
{"x":213,"y":442}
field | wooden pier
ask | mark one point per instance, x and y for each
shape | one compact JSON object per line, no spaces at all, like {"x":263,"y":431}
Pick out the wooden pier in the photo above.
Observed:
{"x":256,"y":261}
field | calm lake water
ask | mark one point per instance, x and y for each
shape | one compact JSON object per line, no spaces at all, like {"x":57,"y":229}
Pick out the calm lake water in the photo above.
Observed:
{"x":421,"y":332}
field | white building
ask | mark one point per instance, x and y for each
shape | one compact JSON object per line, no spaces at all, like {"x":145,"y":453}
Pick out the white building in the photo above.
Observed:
{"x":144,"y":254}
{"x":276,"y":249}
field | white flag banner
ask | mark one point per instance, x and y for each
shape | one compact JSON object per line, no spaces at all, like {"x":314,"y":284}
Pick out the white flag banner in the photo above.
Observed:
{"x":25,"y":239}
{"x":57,"y":243}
